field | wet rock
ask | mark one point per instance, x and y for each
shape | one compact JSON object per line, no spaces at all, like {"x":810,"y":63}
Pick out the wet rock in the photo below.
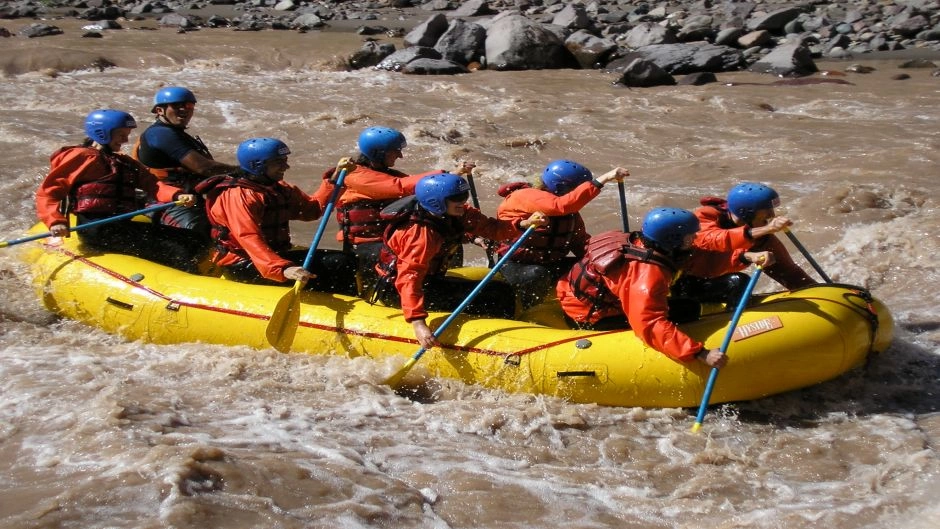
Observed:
{"x":641,"y":73}
{"x":433,"y":67}
{"x":39,"y":30}
{"x":917,"y":63}
{"x":371,"y":54}
{"x":590,"y":51}
{"x":691,"y":57}
{"x":396,"y":61}
{"x":427,"y":33}
{"x":773,"y":21}
{"x":307,"y":21}
{"x":698,"y":79}
{"x":515,"y":42}
{"x":788,"y":60}
{"x":647,"y":34}
{"x":473,"y":8}
{"x":463,"y":42}
{"x":858,"y":68}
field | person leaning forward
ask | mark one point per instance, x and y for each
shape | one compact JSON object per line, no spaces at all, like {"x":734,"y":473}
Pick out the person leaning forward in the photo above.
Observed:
{"x":623,"y":282}
{"x":424,"y":232}
{"x":178,"y":160}
{"x":95,"y":181}
{"x":250,"y":212}
{"x":737,"y":232}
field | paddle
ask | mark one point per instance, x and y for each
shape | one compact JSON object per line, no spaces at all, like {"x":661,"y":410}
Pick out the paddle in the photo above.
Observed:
{"x":396,"y":379}
{"x":808,"y":257}
{"x":476,"y":203}
{"x":623,"y":206}
{"x":724,"y":349}
{"x":282,"y":327}
{"x":99,"y":222}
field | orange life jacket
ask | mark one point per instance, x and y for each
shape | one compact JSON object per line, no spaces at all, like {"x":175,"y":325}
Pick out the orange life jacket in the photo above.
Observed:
{"x":275,"y":224}
{"x":405,"y":211}
{"x":606,"y":254}
{"x":112,"y":193}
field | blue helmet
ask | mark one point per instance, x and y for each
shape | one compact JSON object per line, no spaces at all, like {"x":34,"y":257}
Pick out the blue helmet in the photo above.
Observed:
{"x":747,"y":198}
{"x":172,"y":94}
{"x":667,"y":227}
{"x":375,"y":142}
{"x":253,"y":153}
{"x":561,"y":176}
{"x":433,"y":191}
{"x":100,"y":123}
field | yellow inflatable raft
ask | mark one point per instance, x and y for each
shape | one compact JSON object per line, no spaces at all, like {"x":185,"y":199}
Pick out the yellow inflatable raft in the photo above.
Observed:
{"x":784,"y":341}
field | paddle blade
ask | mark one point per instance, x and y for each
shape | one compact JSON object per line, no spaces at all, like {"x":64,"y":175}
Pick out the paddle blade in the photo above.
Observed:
{"x":395,"y":380}
{"x":282,"y":327}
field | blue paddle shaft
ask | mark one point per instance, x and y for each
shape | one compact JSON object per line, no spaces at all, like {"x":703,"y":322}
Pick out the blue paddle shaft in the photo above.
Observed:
{"x":476,"y":290}
{"x":724,"y":345}
{"x":324,"y":219}
{"x":94,"y":223}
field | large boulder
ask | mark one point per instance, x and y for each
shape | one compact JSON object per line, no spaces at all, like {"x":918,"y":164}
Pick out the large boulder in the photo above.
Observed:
{"x":678,"y":59}
{"x":426,"y":33}
{"x":463,"y":42}
{"x":787,"y":60}
{"x":588,"y":49}
{"x":514,"y":42}
{"x":433,"y":67}
{"x":398,"y":60}
{"x":648,"y":33}
{"x":641,"y":73}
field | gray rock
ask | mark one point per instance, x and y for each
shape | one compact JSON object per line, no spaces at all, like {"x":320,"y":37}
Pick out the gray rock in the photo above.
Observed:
{"x":462,"y":43}
{"x":372,"y":53}
{"x":590,"y":51}
{"x":787,"y":60}
{"x":773,"y":21}
{"x":573,"y":16}
{"x":40,"y":30}
{"x":647,"y":34}
{"x":516,"y":43}
{"x":641,"y":73}
{"x":427,"y":33}
{"x":691,"y":57}
{"x":473,"y":8}
{"x":398,"y":60}
{"x":433,"y":67}
{"x":698,"y":79}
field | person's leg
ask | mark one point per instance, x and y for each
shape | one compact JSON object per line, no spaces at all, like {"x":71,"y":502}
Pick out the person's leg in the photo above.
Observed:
{"x":193,"y":218}
{"x":178,"y":248}
{"x":723,"y":289}
{"x":335,"y":271}
{"x":367,"y":255}
{"x":531,"y":282}
{"x":445,"y":294}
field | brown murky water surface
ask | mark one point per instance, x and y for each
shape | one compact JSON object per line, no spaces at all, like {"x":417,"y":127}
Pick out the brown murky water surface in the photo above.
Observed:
{"x":97,"y":432}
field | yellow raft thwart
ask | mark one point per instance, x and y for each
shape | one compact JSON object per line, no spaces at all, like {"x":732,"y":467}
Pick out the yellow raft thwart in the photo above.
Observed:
{"x":784,"y":341}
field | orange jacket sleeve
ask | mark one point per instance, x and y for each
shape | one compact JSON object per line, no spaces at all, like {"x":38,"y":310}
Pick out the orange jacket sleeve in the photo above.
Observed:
{"x":713,"y":237}
{"x":415,"y":246}
{"x":478,"y":224}
{"x":784,"y":270}
{"x":524,"y":202}
{"x":241,"y":210}
{"x":363,"y":183}
{"x":642,"y":289}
